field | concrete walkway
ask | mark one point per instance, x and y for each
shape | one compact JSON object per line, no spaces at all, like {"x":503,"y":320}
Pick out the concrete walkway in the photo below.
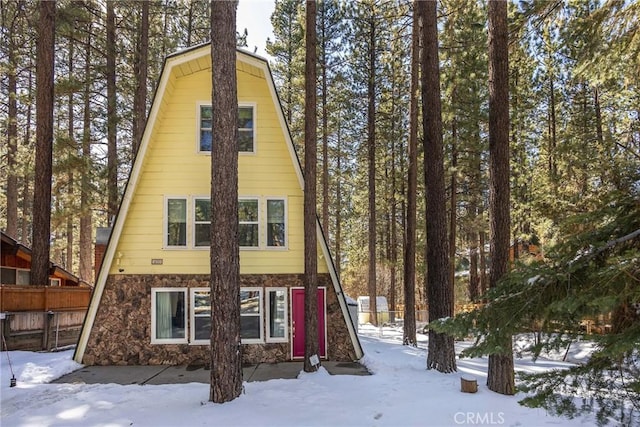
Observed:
{"x":164,"y":374}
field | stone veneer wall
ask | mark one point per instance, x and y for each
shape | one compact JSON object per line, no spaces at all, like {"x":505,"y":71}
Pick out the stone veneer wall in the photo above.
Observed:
{"x":121,"y":333}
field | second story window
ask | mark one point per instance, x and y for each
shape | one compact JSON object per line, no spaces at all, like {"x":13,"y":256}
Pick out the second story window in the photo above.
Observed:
{"x":248,"y":223}
{"x":176,"y":231}
{"x":202,"y":222}
{"x":246,"y":129}
{"x":276,"y":223}
{"x":206,"y":127}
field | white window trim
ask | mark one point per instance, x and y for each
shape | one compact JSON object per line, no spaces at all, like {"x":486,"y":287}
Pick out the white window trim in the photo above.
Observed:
{"x":155,"y":340}
{"x":253,"y":105}
{"x":286,"y":223}
{"x":192,"y":316}
{"x":193,"y":221}
{"x":262,"y":222}
{"x":260,"y":316}
{"x":165,"y":223}
{"x":199,"y":106}
{"x":55,"y":281}
{"x":260,"y":242}
{"x":268,"y":315}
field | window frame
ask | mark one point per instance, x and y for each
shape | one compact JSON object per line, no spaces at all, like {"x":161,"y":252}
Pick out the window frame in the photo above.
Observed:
{"x":253,"y":107}
{"x":201,"y":104}
{"x":154,"y":339}
{"x":194,"y":244}
{"x":260,"y":316}
{"x":165,"y":223}
{"x":192,"y":316}
{"x":285,"y":219}
{"x":55,"y":281}
{"x":257,"y":222}
{"x":268,"y":337}
{"x":24,"y":271}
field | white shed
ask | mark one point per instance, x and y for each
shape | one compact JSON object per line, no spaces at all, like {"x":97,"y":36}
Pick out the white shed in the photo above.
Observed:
{"x":382,"y":307}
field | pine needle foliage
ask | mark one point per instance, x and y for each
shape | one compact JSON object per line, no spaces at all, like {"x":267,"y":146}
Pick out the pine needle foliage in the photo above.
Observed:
{"x":594,"y":272}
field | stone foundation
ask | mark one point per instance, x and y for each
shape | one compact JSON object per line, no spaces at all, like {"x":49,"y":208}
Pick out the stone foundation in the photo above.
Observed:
{"x":121,"y":333}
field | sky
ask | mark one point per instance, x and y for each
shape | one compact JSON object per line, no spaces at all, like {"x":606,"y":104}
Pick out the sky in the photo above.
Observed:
{"x":255,"y":16}
{"x":401,"y":392}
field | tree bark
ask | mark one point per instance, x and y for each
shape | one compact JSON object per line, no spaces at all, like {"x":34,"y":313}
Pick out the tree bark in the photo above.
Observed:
{"x":325,"y":124}
{"x":44,"y":144}
{"x":226,"y":360}
{"x":409,"y":278}
{"x":112,"y":115}
{"x":338,"y":218}
{"x":27,"y":211}
{"x":371,"y":160}
{"x":441,"y":354}
{"x":86,"y":255}
{"x":500,"y":376}
{"x":72,"y":153}
{"x":311,"y":344}
{"x":140,"y":101}
{"x":453,"y":205}
{"x":12,"y":134}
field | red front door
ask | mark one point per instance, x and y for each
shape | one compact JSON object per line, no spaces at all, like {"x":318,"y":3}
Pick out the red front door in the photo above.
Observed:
{"x":297,"y":322}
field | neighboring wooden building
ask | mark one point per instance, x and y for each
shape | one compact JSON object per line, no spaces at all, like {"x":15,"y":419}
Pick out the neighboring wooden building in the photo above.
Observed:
{"x":38,"y":316}
{"x":151,"y":303}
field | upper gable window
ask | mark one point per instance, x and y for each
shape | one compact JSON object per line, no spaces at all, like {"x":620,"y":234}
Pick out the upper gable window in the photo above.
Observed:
{"x":206,"y":126}
{"x":246,"y":129}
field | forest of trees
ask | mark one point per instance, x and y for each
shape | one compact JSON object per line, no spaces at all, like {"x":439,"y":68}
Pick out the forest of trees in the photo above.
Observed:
{"x":573,"y":135}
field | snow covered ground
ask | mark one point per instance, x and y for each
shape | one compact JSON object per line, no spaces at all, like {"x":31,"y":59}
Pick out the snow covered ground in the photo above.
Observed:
{"x":400,"y":393}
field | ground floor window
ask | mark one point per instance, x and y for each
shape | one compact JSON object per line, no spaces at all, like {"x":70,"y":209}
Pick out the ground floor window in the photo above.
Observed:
{"x":251,"y":315}
{"x":200,"y":316}
{"x":263,"y":315}
{"x":276,"y":302}
{"x":168,"y":316}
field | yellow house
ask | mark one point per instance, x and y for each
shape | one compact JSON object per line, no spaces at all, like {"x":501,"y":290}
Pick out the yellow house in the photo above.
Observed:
{"x":151,"y":300}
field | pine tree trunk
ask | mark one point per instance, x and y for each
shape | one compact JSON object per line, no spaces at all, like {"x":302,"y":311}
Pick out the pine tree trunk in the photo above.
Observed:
{"x":453,"y":206}
{"x":112,"y":115}
{"x":12,"y":139}
{"x":500,"y":376}
{"x":27,"y":213}
{"x":441,"y":354}
{"x":338,"y":208}
{"x":371,"y":161}
{"x":72,"y":153}
{"x":226,"y":360}
{"x":409,"y":277}
{"x":140,"y":101}
{"x":393,"y":238}
{"x":311,"y":344}
{"x":85,"y":253}
{"x":325,"y":124}
{"x":44,"y":144}
{"x":474,"y":281}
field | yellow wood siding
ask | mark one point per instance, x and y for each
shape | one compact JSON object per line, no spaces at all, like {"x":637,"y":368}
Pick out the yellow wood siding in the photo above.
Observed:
{"x":174,"y":168}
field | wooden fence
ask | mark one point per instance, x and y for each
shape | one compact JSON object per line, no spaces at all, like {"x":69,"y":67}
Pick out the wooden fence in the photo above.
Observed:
{"x":43,"y":298}
{"x":41,"y":317}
